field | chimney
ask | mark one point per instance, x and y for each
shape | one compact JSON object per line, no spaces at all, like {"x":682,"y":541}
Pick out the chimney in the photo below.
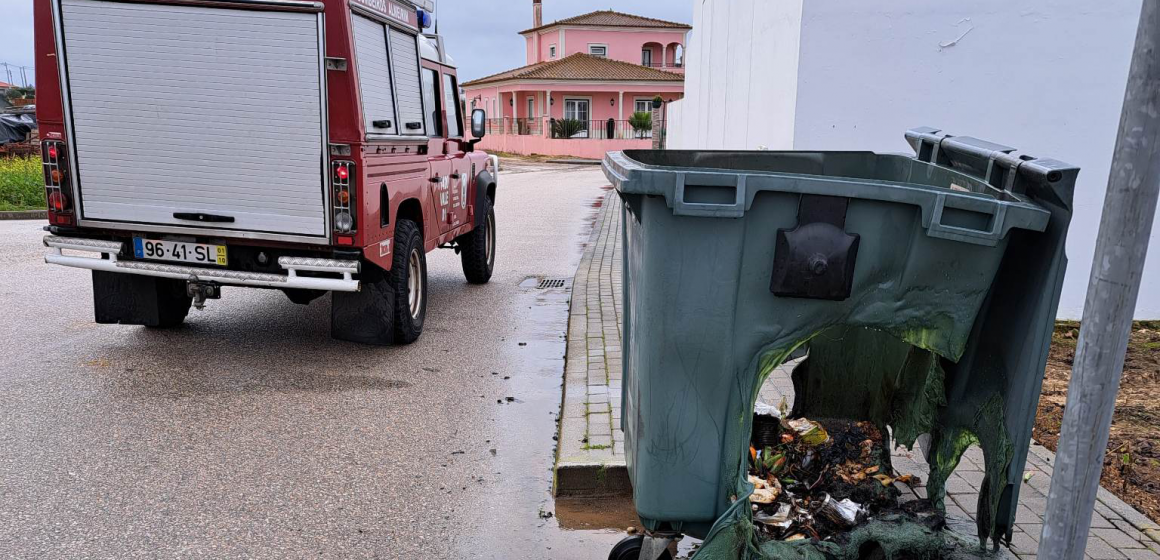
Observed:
{"x":537,"y":14}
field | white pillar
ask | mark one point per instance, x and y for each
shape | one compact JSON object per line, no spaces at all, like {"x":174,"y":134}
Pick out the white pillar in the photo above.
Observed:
{"x":664,"y":56}
{"x":620,"y":107}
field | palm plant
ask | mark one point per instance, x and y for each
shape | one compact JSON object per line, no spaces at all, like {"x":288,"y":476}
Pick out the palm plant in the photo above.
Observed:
{"x":566,"y":128}
{"x":641,"y":123}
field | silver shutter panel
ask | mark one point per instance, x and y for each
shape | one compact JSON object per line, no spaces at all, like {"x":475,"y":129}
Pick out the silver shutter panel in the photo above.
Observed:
{"x":405,"y":63}
{"x":203,"y":110}
{"x":374,"y":75}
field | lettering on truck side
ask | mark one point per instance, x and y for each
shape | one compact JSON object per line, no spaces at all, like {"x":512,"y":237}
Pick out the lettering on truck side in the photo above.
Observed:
{"x":392,"y":10}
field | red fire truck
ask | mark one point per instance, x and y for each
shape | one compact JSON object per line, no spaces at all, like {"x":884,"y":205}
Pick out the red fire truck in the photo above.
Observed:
{"x":310,"y":146}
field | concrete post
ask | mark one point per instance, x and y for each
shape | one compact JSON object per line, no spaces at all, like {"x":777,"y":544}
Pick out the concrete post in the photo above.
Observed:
{"x":548,"y":115}
{"x":1121,"y":246}
{"x":657,"y":129}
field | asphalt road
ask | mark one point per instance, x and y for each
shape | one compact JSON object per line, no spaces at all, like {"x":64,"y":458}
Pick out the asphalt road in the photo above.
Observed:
{"x":250,"y":433}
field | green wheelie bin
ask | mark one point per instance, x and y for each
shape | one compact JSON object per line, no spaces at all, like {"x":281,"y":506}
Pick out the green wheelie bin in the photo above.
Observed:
{"x":946,"y":266}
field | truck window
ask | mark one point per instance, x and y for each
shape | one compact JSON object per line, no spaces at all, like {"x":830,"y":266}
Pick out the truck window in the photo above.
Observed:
{"x":405,"y":64}
{"x":451,"y":101}
{"x":374,"y":76}
{"x":431,"y":101}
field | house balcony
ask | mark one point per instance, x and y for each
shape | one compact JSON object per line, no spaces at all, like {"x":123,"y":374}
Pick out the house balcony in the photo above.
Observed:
{"x":566,"y":137}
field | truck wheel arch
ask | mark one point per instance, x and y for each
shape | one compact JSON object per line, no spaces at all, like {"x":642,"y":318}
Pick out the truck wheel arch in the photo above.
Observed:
{"x":484,"y":194}
{"x":410,"y":209}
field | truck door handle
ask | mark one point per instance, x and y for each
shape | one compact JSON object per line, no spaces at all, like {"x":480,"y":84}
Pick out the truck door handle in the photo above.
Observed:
{"x":199,"y":217}
{"x":414,"y":125}
{"x":381,"y":124}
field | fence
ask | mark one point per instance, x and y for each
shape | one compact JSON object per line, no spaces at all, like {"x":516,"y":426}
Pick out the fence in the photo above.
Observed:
{"x":571,"y":129}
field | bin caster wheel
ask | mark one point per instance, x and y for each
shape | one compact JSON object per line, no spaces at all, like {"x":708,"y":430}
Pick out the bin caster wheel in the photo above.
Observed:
{"x":629,"y":549}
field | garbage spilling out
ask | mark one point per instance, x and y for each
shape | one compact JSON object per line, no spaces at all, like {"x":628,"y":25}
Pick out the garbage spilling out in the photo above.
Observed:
{"x":820,"y":479}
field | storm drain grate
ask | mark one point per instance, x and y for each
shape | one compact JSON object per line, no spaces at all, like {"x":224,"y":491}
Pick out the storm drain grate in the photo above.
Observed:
{"x":544,"y":283}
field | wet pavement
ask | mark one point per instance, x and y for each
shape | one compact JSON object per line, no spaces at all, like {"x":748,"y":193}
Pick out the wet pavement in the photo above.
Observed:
{"x":250,"y":433}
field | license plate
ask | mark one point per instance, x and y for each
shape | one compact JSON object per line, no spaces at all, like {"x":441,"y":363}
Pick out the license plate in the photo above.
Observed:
{"x":180,"y":251}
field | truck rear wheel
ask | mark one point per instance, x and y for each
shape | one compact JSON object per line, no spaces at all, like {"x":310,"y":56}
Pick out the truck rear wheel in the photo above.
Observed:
{"x":477,"y":250}
{"x":392,"y":305}
{"x":408,"y":277}
{"x":131,"y":299}
{"x":366,"y":316}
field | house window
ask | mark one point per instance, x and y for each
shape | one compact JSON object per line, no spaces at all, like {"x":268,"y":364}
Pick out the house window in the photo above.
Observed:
{"x":643,"y":106}
{"x":531,"y":108}
{"x":552,"y":51}
{"x":598,"y":50}
{"x":578,"y":110}
{"x":646,"y":57}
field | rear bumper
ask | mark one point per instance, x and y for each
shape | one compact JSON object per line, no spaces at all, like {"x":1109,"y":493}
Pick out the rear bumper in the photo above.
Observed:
{"x":105,"y":258}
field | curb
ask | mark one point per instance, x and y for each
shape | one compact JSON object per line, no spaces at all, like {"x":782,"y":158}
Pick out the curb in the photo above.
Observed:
{"x":25,"y":215}
{"x":576,"y":161}
{"x":581,"y":470}
{"x":589,"y":480}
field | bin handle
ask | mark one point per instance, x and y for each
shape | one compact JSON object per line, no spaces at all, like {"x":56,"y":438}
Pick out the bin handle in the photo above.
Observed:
{"x":1002,"y":167}
{"x":942,"y":230}
{"x":682,"y":207}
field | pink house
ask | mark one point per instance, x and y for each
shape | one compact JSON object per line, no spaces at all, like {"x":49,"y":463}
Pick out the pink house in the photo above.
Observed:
{"x":585,"y":78}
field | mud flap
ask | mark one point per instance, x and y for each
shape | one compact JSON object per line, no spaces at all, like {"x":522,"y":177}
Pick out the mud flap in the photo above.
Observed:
{"x":131,"y":299}
{"x":365,"y":316}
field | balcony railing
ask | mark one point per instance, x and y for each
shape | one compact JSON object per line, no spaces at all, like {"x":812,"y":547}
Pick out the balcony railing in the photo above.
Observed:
{"x":610,"y":129}
{"x":570,"y":129}
{"x":659,"y":65}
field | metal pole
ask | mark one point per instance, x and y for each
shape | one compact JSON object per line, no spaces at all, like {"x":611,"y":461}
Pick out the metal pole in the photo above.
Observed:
{"x":1121,"y":246}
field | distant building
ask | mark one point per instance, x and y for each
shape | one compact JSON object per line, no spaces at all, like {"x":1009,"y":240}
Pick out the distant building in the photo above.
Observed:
{"x":4,"y":87}
{"x":593,"y":71}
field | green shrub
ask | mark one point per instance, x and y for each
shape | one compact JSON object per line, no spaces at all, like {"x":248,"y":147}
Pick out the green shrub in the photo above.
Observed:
{"x":21,"y":184}
{"x":15,"y":93}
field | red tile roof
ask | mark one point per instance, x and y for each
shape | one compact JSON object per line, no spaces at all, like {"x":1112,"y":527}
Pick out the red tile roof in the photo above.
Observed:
{"x":583,"y":67}
{"x":612,"y":18}
{"x":6,"y":85}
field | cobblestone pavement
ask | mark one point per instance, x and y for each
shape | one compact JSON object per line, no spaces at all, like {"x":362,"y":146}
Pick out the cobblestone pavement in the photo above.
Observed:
{"x":591,"y":456}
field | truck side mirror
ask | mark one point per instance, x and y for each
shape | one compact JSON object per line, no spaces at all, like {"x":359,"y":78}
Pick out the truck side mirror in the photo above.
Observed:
{"x":478,"y":123}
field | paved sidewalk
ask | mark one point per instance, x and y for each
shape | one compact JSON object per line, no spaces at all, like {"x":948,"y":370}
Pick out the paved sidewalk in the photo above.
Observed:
{"x":591,"y":447}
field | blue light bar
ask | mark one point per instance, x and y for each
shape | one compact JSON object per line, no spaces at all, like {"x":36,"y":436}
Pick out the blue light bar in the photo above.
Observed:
{"x":424,"y":19}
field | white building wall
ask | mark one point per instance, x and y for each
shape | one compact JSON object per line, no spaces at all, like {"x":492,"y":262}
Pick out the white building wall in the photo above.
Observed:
{"x":1044,"y":76}
{"x":736,"y":92}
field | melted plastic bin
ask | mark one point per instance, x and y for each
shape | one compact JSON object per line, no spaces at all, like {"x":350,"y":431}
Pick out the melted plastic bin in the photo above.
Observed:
{"x":925,"y":288}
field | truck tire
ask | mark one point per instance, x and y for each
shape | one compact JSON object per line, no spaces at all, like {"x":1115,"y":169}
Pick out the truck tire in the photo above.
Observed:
{"x":477,"y":250}
{"x":131,"y":299}
{"x":366,"y":316}
{"x":408,"y":278}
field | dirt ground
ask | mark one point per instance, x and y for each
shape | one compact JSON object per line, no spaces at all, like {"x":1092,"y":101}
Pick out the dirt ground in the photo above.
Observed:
{"x":1132,"y":466}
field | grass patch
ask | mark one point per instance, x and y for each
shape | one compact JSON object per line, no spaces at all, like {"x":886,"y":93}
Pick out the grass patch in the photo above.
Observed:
{"x":21,"y":184}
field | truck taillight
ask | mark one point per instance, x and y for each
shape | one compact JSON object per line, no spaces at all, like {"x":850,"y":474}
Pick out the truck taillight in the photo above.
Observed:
{"x":344,"y":196}
{"x":56,"y":187}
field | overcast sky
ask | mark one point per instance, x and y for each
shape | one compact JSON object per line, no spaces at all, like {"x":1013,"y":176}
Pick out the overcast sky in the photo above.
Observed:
{"x":480,"y":34}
